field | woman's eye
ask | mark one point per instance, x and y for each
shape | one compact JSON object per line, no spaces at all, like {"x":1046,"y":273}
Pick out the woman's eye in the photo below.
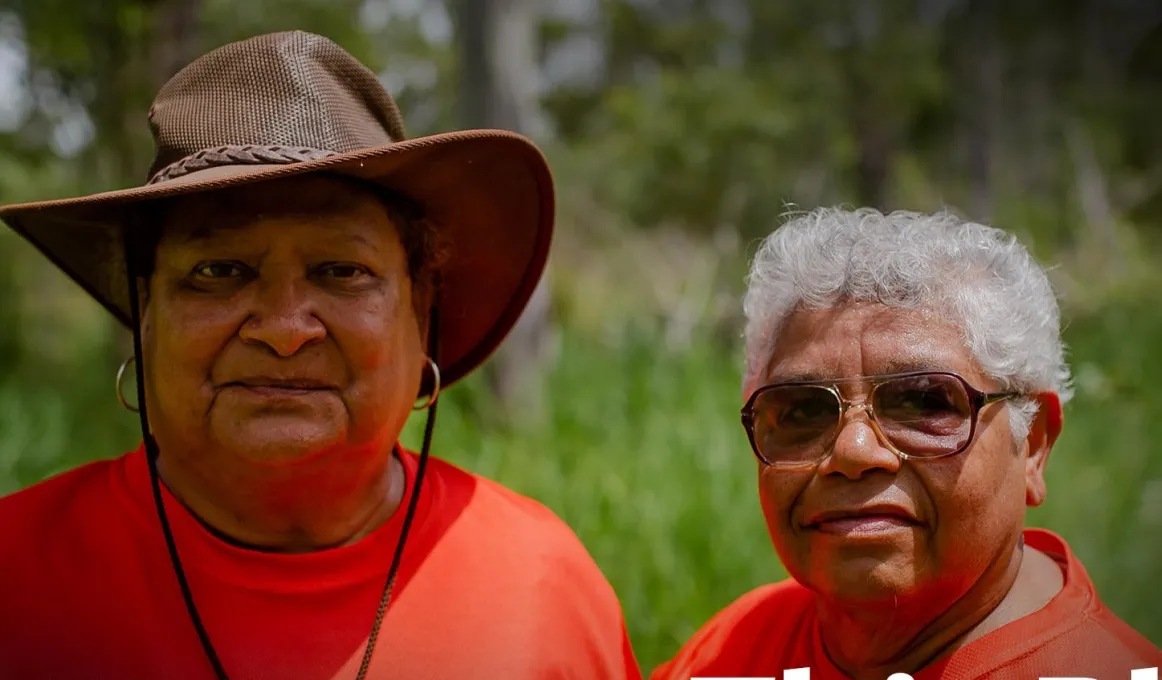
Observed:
{"x":219,"y":270}
{"x":342,"y":270}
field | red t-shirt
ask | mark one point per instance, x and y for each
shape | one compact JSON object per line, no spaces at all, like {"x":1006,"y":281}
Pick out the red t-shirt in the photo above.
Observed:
{"x":775,"y":628}
{"x":492,"y":585}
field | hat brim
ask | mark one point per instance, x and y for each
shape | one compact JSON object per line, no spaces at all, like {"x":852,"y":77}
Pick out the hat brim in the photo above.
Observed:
{"x":489,"y":193}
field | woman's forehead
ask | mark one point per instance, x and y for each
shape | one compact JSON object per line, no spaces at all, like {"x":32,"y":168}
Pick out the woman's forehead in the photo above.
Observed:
{"x":310,"y":193}
{"x":325,"y":203}
{"x":867,"y":339}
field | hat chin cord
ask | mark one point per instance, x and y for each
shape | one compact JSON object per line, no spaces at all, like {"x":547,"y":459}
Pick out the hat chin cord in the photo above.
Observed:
{"x":152,"y":454}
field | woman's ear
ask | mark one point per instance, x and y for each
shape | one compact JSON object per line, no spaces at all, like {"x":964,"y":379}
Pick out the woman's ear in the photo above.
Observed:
{"x":1043,"y":432}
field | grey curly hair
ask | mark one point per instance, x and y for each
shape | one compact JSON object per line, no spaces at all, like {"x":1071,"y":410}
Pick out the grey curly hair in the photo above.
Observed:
{"x":983,"y":275}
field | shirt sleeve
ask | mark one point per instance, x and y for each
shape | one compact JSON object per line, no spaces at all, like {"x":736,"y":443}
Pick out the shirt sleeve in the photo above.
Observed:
{"x":690,"y":659}
{"x":724,"y":646}
{"x":586,"y":637}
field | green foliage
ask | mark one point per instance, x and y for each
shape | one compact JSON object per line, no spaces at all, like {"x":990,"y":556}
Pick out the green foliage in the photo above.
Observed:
{"x":703,"y":123}
{"x":1105,"y":475}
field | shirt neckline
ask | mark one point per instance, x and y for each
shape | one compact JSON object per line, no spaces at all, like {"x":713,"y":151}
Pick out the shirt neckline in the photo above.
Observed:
{"x":202,"y":551}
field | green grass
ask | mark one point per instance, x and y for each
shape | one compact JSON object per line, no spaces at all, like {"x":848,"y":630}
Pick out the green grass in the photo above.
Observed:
{"x":641,"y":452}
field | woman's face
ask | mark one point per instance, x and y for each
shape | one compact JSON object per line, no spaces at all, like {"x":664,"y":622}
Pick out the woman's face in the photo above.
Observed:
{"x":864,"y":527}
{"x":279,"y":324}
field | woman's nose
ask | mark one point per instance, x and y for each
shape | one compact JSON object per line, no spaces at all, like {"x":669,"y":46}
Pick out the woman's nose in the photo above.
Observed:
{"x":283,"y":316}
{"x":858,"y":450}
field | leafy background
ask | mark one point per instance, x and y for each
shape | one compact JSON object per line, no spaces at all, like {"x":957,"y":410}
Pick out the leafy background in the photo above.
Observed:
{"x":681,"y":132}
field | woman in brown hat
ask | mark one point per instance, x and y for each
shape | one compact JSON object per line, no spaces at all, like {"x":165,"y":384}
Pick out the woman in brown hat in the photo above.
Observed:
{"x":298,"y":278}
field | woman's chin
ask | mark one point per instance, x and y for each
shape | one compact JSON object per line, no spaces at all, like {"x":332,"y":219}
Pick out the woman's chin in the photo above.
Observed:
{"x":278,"y":443}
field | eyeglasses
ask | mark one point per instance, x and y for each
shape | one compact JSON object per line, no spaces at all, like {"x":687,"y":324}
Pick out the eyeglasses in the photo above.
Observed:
{"x":922,"y":415}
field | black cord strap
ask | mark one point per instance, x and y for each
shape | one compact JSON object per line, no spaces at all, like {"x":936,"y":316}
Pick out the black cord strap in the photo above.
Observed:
{"x":152,"y":453}
{"x":397,"y":560}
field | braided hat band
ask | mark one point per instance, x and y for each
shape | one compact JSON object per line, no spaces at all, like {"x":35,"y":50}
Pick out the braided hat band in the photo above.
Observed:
{"x":239,"y":155}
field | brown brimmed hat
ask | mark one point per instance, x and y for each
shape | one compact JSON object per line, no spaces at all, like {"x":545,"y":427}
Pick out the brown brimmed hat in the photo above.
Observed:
{"x":291,"y":103}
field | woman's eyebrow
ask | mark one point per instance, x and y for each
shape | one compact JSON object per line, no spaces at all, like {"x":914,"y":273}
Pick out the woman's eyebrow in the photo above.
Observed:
{"x":199,"y":232}
{"x":346,"y":241}
{"x":359,"y":240}
{"x":911,"y":364}
{"x":890,"y":366}
{"x":781,"y":376}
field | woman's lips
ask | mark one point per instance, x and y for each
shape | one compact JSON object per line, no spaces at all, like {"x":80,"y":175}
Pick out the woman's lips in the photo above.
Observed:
{"x":863,"y":525}
{"x":273,"y":391}
{"x":278,"y":388}
{"x":862,"y":521}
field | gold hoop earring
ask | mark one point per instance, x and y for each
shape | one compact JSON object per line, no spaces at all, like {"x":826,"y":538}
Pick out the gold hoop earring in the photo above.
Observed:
{"x":435,"y":385}
{"x":120,"y":391}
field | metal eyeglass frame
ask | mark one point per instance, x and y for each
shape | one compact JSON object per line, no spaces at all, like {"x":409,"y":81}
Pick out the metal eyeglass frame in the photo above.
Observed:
{"x":977,"y":401}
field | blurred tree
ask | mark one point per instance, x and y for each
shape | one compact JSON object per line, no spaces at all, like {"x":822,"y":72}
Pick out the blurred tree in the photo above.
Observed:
{"x":498,"y":79}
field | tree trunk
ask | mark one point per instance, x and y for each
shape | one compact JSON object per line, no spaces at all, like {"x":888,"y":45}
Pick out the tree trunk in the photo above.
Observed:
{"x":1101,"y":242}
{"x":499,"y":71}
{"x":871,"y":117}
{"x":172,"y":41}
{"x":176,"y":39}
{"x":984,"y":72}
{"x":873,"y":164}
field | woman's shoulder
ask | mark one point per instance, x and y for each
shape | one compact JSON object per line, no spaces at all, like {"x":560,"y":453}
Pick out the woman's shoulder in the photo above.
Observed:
{"x":485,"y":517}
{"x":513,"y":538}
{"x":744,"y":633}
{"x":755,"y":611}
{"x":60,"y":492}
{"x":63,"y":507}
{"x":493,"y":503}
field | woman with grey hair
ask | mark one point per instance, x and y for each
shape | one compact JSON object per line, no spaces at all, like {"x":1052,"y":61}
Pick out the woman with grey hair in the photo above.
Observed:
{"x":904,"y":385}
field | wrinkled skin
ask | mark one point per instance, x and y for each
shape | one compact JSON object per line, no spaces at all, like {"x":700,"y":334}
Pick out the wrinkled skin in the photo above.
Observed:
{"x":283,"y":355}
{"x":933,"y":563}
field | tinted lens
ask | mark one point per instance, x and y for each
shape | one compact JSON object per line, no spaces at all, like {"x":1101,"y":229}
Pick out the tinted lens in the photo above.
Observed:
{"x":793,"y":424}
{"x":925,"y":415}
